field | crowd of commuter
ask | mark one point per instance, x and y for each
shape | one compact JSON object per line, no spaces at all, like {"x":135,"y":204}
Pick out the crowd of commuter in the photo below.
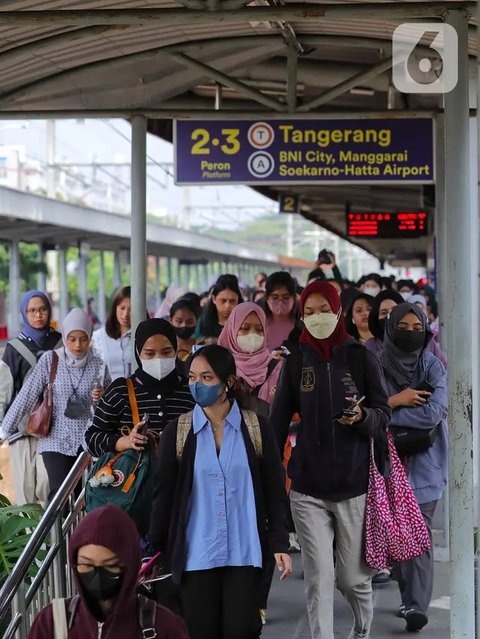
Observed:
{"x":205,"y":404}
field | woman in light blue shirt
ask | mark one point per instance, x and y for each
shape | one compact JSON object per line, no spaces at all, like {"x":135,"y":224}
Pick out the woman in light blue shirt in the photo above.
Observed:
{"x":219,"y":504}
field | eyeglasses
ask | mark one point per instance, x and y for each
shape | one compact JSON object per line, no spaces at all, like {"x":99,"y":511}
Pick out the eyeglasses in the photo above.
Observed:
{"x":37,"y":311}
{"x":277,"y":298}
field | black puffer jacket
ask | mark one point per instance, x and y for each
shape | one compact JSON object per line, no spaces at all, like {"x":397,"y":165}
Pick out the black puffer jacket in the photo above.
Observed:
{"x":330,"y":461}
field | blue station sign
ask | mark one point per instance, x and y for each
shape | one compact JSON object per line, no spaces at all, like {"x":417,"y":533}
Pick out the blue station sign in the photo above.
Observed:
{"x":299,"y":151}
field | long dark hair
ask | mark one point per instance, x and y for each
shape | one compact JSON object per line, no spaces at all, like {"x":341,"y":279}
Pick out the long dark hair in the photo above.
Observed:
{"x":351,"y":327}
{"x":210,"y":314}
{"x":221,"y":361}
{"x":278,"y":280}
{"x":112,"y":327}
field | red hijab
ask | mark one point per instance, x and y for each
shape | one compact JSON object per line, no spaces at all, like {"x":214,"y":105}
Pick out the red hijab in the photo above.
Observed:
{"x":324,"y":347}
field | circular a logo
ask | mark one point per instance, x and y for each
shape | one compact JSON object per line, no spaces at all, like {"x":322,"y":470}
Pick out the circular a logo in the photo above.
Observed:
{"x":260,"y":135}
{"x":261,"y":164}
{"x":118,"y":478}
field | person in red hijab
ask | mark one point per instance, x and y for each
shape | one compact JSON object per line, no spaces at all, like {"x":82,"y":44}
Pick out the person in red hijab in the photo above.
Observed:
{"x":104,"y":553}
{"x":329,"y":465}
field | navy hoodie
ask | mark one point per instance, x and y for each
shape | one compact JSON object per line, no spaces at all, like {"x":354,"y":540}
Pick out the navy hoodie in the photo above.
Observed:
{"x":109,"y":526}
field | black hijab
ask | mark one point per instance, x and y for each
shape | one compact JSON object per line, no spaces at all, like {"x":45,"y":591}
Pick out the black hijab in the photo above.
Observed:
{"x":150,"y":327}
{"x":145,"y":330}
{"x":399,"y":365}
{"x":377,"y":328}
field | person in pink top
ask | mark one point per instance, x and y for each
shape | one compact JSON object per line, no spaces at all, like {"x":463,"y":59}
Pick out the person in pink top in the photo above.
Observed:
{"x":280,"y":308}
{"x":244,"y":334}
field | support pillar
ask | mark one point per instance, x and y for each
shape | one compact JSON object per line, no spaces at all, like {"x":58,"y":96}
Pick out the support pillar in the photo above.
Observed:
{"x":63,"y":285}
{"x":158,"y":297}
{"x":42,"y":276}
{"x":83,"y":255}
{"x":460,"y":237}
{"x":170,"y":271}
{"x":14,"y":290}
{"x":102,"y":306}
{"x":117,"y":270}
{"x":138,"y":244}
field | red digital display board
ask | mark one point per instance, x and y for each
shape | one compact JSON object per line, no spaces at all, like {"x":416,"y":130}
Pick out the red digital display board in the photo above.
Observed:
{"x":387,"y":225}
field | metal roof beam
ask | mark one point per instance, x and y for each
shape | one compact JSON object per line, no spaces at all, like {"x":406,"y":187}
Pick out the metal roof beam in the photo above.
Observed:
{"x":345,"y":86}
{"x":233,"y":83}
{"x":292,"y":69}
{"x":301,"y":11}
{"x":170,"y":112}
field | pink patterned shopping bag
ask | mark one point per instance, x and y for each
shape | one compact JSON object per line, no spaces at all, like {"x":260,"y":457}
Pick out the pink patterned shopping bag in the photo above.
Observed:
{"x":395,"y":530}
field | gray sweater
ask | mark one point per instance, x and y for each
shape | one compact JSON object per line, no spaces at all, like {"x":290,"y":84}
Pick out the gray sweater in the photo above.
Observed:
{"x":66,"y":435}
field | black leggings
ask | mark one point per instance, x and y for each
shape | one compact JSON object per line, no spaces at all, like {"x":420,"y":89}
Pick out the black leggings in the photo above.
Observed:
{"x":222,"y":603}
{"x":58,"y":466}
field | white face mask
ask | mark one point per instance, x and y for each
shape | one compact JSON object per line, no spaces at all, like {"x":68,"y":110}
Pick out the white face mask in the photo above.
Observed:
{"x":321,"y":325}
{"x":159,"y":367}
{"x":371,"y":290}
{"x":406,"y":295}
{"x":250,"y":343}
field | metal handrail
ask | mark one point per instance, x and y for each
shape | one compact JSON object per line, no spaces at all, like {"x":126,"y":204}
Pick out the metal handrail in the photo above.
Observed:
{"x":13,"y":595}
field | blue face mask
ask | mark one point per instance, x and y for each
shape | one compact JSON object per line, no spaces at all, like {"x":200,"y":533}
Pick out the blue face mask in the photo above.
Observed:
{"x":205,"y":395}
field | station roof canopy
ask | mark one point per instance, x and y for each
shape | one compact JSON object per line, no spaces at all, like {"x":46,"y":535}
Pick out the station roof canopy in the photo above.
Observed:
{"x":107,"y":58}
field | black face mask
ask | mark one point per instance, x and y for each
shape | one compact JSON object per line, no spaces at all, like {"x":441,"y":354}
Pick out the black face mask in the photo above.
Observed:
{"x":100,"y":583}
{"x":409,"y":341}
{"x":184,"y":332}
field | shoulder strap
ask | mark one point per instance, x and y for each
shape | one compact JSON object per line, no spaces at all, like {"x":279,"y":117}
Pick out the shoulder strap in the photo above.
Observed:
{"x":133,"y":401}
{"x":253,"y":426}
{"x":183,"y":428}
{"x":60,"y":627}
{"x":53,"y":369}
{"x":24,"y":351}
{"x":270,"y":368}
{"x":72,"y":609}
{"x":147,"y":612}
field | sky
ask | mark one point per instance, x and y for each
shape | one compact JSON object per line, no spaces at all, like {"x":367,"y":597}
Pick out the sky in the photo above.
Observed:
{"x":109,"y":141}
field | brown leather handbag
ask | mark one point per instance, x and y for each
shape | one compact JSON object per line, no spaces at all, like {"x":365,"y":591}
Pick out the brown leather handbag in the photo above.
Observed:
{"x":40,"y":420}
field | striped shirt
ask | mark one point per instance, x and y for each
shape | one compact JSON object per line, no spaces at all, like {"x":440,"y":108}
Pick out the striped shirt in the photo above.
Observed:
{"x":161,"y":401}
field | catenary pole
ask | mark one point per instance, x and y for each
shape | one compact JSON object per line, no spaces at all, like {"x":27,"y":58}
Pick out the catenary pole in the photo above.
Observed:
{"x":458,"y":318}
{"x":138,"y":244}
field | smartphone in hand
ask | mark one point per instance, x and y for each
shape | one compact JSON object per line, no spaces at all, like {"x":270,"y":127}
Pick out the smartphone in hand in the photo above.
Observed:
{"x":146,"y":425}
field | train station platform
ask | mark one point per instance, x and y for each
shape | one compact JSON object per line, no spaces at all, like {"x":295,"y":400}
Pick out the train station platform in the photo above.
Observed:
{"x":287,"y":615}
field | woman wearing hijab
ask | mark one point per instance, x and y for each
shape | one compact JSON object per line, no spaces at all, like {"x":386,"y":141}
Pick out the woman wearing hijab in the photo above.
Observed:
{"x":172,"y":294}
{"x":21,"y":354}
{"x":383,"y":303}
{"x":407,"y":365}
{"x":330,"y":462}
{"x":104,"y":556}
{"x":356,"y":318}
{"x":244,"y":335}
{"x":161,"y":393}
{"x":79,"y":382}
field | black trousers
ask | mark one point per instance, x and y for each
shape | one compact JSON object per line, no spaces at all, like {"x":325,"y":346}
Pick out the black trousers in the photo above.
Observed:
{"x":58,"y":466}
{"x":222,"y":603}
